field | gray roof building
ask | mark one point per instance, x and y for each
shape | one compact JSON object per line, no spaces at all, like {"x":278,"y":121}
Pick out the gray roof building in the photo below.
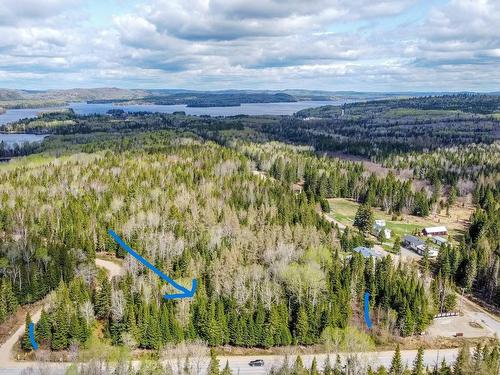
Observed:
{"x":368,"y":253}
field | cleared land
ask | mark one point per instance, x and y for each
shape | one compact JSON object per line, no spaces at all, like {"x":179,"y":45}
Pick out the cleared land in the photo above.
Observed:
{"x":344,"y":210}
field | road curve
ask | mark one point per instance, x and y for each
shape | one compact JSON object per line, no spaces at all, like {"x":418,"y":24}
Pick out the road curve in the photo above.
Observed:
{"x":6,"y":348}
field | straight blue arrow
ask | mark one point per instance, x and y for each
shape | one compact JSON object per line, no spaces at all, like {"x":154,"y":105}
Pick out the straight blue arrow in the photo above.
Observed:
{"x":185,"y":293}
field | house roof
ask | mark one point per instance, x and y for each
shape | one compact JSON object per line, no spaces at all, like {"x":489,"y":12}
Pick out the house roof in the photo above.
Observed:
{"x":435,"y":229}
{"x":440,"y":239}
{"x":367,"y":252}
{"x":413,"y":240}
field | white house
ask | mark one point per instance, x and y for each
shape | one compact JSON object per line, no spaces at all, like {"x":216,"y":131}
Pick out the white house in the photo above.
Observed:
{"x":378,"y":226}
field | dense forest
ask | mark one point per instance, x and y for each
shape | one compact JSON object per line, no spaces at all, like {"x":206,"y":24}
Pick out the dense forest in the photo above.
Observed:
{"x":262,"y":254}
{"x":219,"y":200}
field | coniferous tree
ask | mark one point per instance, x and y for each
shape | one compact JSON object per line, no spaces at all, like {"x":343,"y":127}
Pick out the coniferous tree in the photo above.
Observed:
{"x":26,"y":342}
{"x":364,"y":218}
{"x":418,"y":364}
{"x":314,"y":367}
{"x":213,"y":367}
{"x":396,"y":363}
{"x":227,"y":370}
{"x":43,"y":331}
{"x":462,"y":362}
{"x":302,"y":328}
{"x":60,"y":329}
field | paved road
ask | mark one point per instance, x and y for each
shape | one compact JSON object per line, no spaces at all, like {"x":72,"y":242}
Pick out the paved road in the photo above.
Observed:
{"x":239,"y":364}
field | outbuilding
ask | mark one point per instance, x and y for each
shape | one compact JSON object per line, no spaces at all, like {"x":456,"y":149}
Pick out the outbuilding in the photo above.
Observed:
{"x":435,"y":231}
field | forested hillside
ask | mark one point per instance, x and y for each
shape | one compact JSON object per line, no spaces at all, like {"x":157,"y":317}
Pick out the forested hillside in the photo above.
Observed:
{"x":217,"y":199}
{"x":270,"y":269}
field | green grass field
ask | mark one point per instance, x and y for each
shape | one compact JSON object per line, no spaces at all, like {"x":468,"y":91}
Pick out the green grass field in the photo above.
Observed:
{"x":344,"y":210}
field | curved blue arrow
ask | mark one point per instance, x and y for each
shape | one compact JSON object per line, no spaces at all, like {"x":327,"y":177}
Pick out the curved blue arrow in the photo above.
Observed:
{"x":185,"y":293}
{"x":32,"y":336}
{"x":367,"y":310}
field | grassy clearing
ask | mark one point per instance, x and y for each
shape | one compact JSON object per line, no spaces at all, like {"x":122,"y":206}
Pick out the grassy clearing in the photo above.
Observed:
{"x":344,"y":210}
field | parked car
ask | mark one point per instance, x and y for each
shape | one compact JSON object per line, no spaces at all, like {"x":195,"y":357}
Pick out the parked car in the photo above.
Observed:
{"x":256,"y":363}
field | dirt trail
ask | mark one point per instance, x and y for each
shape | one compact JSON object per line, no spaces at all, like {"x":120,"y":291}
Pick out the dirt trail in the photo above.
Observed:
{"x":6,"y":349}
{"x":114,"y":269}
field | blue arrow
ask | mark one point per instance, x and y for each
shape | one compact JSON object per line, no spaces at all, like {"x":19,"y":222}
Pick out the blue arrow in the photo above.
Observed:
{"x":32,"y":336}
{"x":367,"y":310}
{"x":185,"y":293}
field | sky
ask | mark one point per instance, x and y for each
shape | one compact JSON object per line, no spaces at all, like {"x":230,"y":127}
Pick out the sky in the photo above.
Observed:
{"x":358,"y":45}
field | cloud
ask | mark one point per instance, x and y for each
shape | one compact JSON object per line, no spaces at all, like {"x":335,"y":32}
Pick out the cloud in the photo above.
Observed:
{"x":325,"y":44}
{"x":19,"y":11}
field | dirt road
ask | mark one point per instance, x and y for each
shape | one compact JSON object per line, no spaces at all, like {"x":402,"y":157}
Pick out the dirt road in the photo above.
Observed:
{"x":6,"y":349}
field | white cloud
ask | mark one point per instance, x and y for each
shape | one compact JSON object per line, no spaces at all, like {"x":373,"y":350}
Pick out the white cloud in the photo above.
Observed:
{"x":254,"y":44}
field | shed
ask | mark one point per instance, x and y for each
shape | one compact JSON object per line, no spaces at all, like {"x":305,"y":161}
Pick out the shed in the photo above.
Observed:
{"x":435,"y":231}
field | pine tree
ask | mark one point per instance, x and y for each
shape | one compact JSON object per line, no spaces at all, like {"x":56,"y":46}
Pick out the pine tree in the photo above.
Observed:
{"x":314,"y":367}
{"x":298,"y":367}
{"x":103,"y":300}
{"x":396,"y":363}
{"x":213,"y":367}
{"x":462,"y":362}
{"x":60,"y":329}
{"x":26,"y":342}
{"x":364,"y":218}
{"x":396,"y":248}
{"x":43,"y":331}
{"x":302,"y":328}
{"x":418,"y":364}
{"x":227,"y":370}
{"x":444,"y":369}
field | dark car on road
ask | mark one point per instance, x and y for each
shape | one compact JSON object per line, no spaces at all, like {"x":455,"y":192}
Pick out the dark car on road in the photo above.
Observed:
{"x":256,"y":363}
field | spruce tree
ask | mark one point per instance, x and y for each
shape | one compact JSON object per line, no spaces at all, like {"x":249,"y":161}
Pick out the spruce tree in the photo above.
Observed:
{"x":60,"y":329}
{"x":314,"y":367}
{"x":213,"y":367}
{"x":462,"y":362}
{"x":364,"y":218}
{"x":444,"y":369}
{"x":43,"y":331}
{"x":26,"y":342}
{"x":418,"y":364}
{"x":227,"y":370}
{"x":298,"y":367}
{"x":103,"y":300}
{"x":396,"y":363}
{"x":302,"y":327}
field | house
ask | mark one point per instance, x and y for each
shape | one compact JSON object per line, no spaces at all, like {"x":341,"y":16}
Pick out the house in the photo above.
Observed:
{"x":439,"y":240}
{"x":412,"y":242}
{"x":368,"y":252}
{"x":435,"y":231}
{"x":419,"y":246}
{"x":379,"y":225}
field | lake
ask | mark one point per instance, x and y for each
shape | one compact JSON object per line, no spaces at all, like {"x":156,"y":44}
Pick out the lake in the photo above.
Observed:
{"x":83,"y":108}
{"x":250,"y":109}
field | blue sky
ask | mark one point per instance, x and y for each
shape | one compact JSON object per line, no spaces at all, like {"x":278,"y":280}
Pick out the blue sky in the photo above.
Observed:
{"x":363,"y":45}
